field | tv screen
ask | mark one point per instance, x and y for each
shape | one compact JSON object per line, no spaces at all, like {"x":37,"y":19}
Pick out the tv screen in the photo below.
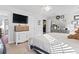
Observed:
{"x":17,"y":18}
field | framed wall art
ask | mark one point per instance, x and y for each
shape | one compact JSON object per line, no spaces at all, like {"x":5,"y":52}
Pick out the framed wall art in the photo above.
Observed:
{"x":76,"y":17}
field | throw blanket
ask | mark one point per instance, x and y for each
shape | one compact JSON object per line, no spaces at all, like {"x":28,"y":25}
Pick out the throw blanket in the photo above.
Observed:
{"x":5,"y":39}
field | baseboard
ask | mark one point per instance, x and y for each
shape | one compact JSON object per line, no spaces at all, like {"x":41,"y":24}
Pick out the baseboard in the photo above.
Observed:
{"x":18,"y":43}
{"x":11,"y":42}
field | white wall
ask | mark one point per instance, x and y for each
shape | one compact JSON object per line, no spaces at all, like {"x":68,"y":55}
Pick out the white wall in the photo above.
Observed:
{"x":48,"y":25}
{"x":35,"y":29}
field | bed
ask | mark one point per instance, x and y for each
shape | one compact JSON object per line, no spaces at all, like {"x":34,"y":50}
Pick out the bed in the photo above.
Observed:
{"x":54,"y":43}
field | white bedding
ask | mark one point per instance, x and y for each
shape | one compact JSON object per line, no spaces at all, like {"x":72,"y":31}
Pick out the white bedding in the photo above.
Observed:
{"x":62,"y":37}
{"x":46,"y":43}
{"x":40,"y":42}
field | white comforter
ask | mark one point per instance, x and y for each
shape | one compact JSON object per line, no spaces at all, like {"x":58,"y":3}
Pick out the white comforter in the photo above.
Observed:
{"x":52,"y":43}
{"x":40,"y":42}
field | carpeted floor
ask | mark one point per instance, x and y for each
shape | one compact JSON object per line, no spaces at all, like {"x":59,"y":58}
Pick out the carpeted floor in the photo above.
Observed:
{"x":19,"y":49}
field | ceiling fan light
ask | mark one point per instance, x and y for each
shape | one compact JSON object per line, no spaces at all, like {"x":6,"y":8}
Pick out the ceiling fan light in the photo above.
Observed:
{"x":47,"y":8}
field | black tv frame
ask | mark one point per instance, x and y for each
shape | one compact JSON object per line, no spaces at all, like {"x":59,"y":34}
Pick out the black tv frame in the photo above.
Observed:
{"x":19,"y":22}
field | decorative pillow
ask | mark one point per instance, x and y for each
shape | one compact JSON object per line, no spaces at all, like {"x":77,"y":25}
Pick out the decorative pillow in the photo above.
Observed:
{"x":75,"y":35}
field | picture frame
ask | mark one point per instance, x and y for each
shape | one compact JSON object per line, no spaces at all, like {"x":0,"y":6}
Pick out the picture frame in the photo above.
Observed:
{"x":58,"y":17}
{"x":76,"y":17}
{"x":74,"y":22}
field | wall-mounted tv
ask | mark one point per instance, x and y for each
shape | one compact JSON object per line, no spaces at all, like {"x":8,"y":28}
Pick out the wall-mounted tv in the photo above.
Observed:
{"x":17,"y":18}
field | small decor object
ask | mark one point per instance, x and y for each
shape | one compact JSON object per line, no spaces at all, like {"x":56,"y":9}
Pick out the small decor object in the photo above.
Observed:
{"x":76,"y":17}
{"x":58,"y":17}
{"x":62,"y":16}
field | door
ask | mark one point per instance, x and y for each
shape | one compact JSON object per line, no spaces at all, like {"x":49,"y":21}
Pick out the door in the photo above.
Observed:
{"x":44,"y":26}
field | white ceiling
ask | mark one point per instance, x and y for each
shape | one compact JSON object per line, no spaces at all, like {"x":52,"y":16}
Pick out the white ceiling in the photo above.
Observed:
{"x":38,"y":10}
